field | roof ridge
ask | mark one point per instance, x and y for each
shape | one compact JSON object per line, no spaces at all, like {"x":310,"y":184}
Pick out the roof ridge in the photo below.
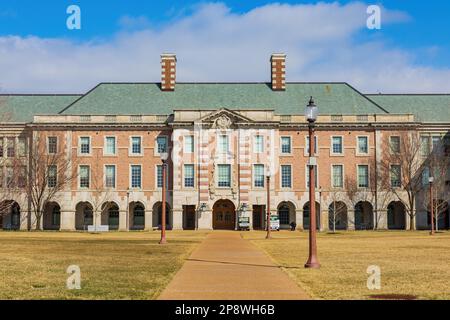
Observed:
{"x":407,"y":94}
{"x":39,"y":94}
{"x":365,"y":97}
{"x":76,"y":100}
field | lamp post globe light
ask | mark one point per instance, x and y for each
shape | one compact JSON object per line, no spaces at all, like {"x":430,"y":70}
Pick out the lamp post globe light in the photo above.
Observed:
{"x":311,"y":112}
{"x":430,"y":181}
{"x":164,"y":156}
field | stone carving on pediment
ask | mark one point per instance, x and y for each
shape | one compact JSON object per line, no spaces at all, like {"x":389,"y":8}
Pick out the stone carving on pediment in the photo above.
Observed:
{"x":223,"y":122}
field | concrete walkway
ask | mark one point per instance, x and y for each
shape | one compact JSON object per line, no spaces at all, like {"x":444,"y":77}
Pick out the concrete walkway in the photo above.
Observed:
{"x":227,"y":267}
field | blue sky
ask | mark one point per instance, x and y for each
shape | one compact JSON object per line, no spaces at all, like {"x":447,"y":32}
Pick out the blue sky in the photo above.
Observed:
{"x":416,"y":37}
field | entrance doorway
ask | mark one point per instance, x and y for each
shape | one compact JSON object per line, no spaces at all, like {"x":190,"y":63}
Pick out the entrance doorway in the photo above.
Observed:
{"x":258,"y":217}
{"x":189,"y":217}
{"x":224,"y":215}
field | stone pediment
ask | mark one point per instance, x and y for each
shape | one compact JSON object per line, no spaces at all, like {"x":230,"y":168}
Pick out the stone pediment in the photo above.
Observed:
{"x":224,"y":119}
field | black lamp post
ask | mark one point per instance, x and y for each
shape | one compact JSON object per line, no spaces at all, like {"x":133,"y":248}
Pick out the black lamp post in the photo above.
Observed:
{"x":311,"y":112}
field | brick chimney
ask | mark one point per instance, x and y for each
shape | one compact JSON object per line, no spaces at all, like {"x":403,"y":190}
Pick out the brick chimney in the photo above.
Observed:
{"x":278,"y":67}
{"x":168,"y":71}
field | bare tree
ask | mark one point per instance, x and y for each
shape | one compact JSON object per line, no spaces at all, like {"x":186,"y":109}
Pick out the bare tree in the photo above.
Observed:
{"x":49,"y":172}
{"x":401,"y":165}
{"x":337,"y":209}
{"x":101,"y":194}
{"x":437,"y":164}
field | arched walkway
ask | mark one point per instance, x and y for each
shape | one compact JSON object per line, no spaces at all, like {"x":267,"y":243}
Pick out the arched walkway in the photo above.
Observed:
{"x":137,"y":216}
{"x":224,"y":215}
{"x":84,"y":216}
{"x":10,"y":215}
{"x":286,"y":214}
{"x":306,"y":216}
{"x":52,"y":216}
{"x":363,"y":216}
{"x":157,"y":215}
{"x":396,"y":216}
{"x":110,"y":215}
{"x":337,"y":216}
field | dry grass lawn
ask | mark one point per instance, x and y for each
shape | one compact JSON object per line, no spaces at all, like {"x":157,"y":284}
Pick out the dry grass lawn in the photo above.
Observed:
{"x":113,"y":265}
{"x":412,"y":263}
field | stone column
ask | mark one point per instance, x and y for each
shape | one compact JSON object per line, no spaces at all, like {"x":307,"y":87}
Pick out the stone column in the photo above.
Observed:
{"x":177,"y":219}
{"x":67,"y":220}
{"x":324,"y":224}
{"x":350,"y":219}
{"x":97,"y":219}
{"x":299,"y":219}
{"x":205,"y":220}
{"x":382,"y":220}
{"x":148,"y":220}
{"x":123,"y":220}
{"x":23,"y":223}
{"x":408,"y":222}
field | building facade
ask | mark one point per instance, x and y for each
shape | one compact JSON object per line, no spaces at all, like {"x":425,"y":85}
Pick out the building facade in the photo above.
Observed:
{"x":224,"y":140}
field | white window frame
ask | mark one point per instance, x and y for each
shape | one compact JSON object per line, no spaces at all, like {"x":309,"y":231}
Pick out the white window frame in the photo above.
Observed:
{"x":79,"y":175}
{"x":48,"y":145}
{"x":193,"y":144}
{"x":254,"y":176}
{"x":130,"y":150}
{"x":399,"y":144}
{"x":368,"y":176}
{"x":156,"y":177}
{"x":281,"y":177}
{"x":281,"y":146}
{"x":115,"y":176}
{"x":80,"y":154}
{"x":316,"y":151}
{"x":131,"y":176}
{"x":105,"y":146}
{"x":357,"y":145}
{"x":219,"y":145}
{"x":25,"y":147}
{"x":332,"y":153}
{"x":217,"y":175}
{"x":56,"y":175}
{"x":390,"y":175}
{"x":184,"y":176}
{"x":255,"y":144}
{"x":166,"y":137}
{"x":332,"y":176}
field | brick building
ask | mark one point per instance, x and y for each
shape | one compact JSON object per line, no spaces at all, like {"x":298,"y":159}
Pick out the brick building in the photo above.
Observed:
{"x":223,"y":140}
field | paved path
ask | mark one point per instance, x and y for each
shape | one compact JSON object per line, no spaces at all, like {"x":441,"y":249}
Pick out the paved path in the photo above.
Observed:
{"x":225,"y":266}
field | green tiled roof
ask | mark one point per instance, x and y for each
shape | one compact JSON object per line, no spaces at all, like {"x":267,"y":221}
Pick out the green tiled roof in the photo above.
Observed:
{"x":22,"y":108}
{"x":426,"y":108}
{"x":147,"y":98}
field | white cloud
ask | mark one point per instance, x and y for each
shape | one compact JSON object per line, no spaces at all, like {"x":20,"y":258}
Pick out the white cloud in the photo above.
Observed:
{"x":215,"y":44}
